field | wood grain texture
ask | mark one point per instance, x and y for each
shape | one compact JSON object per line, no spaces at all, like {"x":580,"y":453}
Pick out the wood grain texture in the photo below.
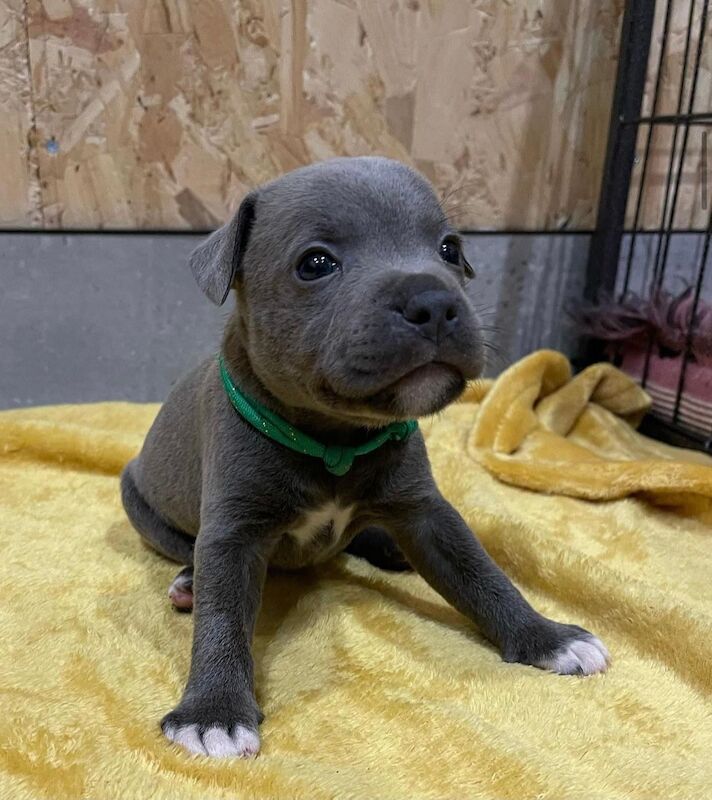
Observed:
{"x":19,"y":195}
{"x":163,"y":113}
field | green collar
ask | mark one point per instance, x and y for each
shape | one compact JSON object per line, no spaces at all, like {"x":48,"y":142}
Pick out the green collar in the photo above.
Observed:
{"x":337,"y":459}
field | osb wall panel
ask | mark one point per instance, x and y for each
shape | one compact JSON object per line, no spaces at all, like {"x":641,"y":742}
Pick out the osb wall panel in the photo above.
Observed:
{"x":19,"y":198}
{"x":161,"y":113}
{"x":694,"y":195}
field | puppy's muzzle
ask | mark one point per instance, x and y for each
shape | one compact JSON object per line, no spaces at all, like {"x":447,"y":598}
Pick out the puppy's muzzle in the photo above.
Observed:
{"x":435,"y":314}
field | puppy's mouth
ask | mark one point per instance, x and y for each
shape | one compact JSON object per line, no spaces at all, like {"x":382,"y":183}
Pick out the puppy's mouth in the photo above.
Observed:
{"x":421,"y":391}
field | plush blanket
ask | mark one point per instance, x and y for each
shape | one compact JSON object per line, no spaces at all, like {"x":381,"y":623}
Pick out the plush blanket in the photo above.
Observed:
{"x":372,"y":686}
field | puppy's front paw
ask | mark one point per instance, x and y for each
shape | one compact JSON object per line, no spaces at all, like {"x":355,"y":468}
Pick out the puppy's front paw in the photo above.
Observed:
{"x":211,"y":734}
{"x":565,"y":649}
{"x":583,"y":656}
{"x":215,"y":741}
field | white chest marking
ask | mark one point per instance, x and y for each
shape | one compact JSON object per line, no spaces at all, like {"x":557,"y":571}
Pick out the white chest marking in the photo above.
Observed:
{"x":315,"y":521}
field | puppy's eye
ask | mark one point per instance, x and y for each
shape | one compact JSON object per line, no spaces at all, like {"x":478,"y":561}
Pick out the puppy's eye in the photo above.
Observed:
{"x":469,"y":271}
{"x":315,"y":265}
{"x":450,"y":251}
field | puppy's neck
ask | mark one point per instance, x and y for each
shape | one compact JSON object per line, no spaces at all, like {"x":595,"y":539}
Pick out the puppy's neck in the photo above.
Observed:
{"x":321,"y":427}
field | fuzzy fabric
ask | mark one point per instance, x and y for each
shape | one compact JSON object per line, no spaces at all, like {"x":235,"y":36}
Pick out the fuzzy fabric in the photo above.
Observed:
{"x":372,"y":686}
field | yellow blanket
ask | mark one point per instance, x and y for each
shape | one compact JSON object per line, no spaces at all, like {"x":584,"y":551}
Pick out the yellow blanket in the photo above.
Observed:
{"x":372,"y":686}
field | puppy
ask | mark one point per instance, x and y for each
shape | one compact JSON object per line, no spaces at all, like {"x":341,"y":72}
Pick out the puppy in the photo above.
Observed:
{"x":352,"y":320}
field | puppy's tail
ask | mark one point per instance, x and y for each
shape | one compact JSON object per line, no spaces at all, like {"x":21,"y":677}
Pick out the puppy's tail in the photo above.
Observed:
{"x":167,"y":540}
{"x":379,"y":549}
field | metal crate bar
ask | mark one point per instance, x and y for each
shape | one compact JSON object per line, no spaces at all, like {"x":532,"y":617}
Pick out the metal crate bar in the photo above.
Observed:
{"x":603,"y":256}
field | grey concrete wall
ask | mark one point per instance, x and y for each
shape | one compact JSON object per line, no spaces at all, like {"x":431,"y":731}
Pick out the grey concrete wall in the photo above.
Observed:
{"x":683,"y":263}
{"x":92,"y":317}
{"x":527,"y":282}
{"x":86,"y":317}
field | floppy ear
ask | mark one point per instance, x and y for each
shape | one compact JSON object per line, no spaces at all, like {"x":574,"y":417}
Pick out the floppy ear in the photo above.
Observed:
{"x":215,"y":262}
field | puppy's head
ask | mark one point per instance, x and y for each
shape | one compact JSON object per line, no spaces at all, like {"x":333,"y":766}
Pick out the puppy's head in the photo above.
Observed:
{"x":350,"y":291}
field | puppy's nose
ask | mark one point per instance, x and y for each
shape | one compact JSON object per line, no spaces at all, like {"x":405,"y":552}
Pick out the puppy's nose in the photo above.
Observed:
{"x":434,"y":313}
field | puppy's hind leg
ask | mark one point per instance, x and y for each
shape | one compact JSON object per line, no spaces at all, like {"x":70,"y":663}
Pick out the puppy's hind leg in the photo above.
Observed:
{"x":180,"y":592}
{"x":161,"y":536}
{"x":167,"y":540}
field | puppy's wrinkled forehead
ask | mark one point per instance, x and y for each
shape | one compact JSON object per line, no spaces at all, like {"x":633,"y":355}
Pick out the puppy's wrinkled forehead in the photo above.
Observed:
{"x":344,"y":201}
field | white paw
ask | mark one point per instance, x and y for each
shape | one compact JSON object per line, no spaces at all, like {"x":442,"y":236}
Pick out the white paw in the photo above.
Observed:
{"x":180,"y":592}
{"x":215,"y":742}
{"x":585,"y":656}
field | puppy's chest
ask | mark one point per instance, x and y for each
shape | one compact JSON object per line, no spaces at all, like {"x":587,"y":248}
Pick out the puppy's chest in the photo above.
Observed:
{"x":316,"y":535}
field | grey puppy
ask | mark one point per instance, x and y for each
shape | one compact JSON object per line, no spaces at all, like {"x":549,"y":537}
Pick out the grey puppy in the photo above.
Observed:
{"x":351,"y":315}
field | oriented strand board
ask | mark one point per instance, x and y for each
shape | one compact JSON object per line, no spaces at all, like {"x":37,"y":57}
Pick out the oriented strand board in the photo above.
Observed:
{"x":161,"y":113}
{"x":19,"y":196}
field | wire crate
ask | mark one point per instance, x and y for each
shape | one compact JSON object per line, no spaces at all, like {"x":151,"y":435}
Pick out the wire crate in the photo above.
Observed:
{"x":649,"y":282}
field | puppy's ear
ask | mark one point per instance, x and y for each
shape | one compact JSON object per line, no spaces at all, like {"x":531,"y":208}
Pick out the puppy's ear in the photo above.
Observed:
{"x":216,"y":261}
